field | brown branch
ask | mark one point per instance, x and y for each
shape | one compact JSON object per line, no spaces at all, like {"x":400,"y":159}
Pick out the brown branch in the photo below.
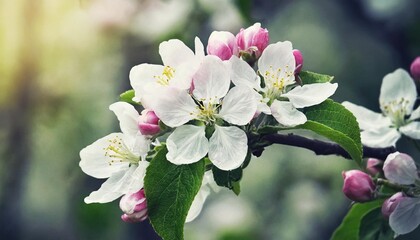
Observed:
{"x":319,"y":147}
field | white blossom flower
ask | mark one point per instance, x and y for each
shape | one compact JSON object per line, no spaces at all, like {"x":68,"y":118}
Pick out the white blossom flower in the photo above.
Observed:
{"x":210,"y":103}
{"x":281,"y":92}
{"x":119,"y":157}
{"x":150,"y":81}
{"x":401,"y":169}
{"x":397,"y":99}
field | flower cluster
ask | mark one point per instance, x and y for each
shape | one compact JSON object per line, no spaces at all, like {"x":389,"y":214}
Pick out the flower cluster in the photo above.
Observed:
{"x":199,"y":106}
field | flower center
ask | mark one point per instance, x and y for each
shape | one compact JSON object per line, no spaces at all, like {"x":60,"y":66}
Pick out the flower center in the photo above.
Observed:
{"x":167,"y":75}
{"x":118,"y":152}
{"x":207,"y":111}
{"x":276,"y":80}
{"x":396,"y":111}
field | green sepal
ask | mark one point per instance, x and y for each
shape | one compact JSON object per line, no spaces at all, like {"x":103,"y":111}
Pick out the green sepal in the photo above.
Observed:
{"x":127,"y":96}
{"x":170,"y":190}
{"x":229,"y":179}
{"x":308,"y":77}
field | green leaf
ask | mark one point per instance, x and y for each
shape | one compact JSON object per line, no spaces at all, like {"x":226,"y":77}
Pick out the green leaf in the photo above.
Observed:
{"x":170,"y":190}
{"x":375,"y":227}
{"x":350,"y":227}
{"x":333,"y":121}
{"x":229,"y":179}
{"x":127,"y":96}
{"x":311,"y":77}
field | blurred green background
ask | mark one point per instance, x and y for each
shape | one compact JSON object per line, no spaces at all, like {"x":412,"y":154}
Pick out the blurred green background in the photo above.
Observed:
{"x":63,"y":62}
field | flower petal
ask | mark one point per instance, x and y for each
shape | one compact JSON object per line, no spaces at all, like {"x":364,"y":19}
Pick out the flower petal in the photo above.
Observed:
{"x":242,"y":74}
{"x":286,"y":114}
{"x":415,"y":114}
{"x":380,"y":137}
{"x":128,"y":117}
{"x":228,"y":147}
{"x":94,"y":160}
{"x":212,"y":80}
{"x":406,"y":216}
{"x":143,"y":75}
{"x":199,"y":199}
{"x":366,"y":118}
{"x":117,"y":185}
{"x":174,"y":52}
{"x":176,"y":108}
{"x":187,"y":144}
{"x":396,"y":86}
{"x":400,"y":168}
{"x":199,"y":48}
{"x":310,"y":94}
{"x":239,"y":106}
{"x":277,"y":56}
{"x":411,"y":130}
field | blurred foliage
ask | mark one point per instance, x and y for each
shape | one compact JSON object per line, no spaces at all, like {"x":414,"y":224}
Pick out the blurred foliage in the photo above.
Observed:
{"x":61,"y":67}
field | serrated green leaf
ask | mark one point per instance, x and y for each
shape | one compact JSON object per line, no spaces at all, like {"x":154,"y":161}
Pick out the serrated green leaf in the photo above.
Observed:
{"x":375,"y":227}
{"x":333,"y":121}
{"x":350,"y":227}
{"x":229,"y":179}
{"x":127,"y":96}
{"x":170,"y":190}
{"x":311,"y":77}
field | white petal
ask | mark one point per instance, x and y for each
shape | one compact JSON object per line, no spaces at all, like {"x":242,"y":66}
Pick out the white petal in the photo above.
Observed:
{"x":415,"y":114}
{"x":174,"y":52}
{"x":277,"y":56}
{"x":137,"y":178}
{"x":239,"y":106}
{"x":200,"y":198}
{"x":396,"y":86}
{"x":286,"y":114}
{"x":400,"y":168}
{"x":138,"y":145}
{"x":310,"y":94}
{"x":141,"y":76}
{"x":380,"y":137}
{"x":212,"y":80}
{"x":127,"y":116}
{"x":228,"y":147}
{"x":95,"y":162}
{"x":366,"y":118}
{"x":187,"y":144}
{"x":199,"y":48}
{"x":242,"y":74}
{"x":406,"y":216}
{"x":114,"y":187}
{"x":411,"y":130}
{"x":176,"y":108}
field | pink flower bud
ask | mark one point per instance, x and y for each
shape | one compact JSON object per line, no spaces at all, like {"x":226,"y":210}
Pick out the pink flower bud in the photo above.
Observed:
{"x":374,"y":166}
{"x":148,"y":123}
{"x":298,"y":59}
{"x":134,"y":207}
{"x":415,"y":69}
{"x":358,"y":186}
{"x":254,"y":39}
{"x":222,"y":44}
{"x":391,"y":203}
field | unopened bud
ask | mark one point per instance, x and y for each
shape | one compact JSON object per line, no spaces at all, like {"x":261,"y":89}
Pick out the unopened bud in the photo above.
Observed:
{"x":374,"y":166}
{"x":222,"y":44}
{"x":400,"y":168}
{"x":391,"y":203}
{"x":134,"y":207}
{"x":298,"y":60}
{"x":415,"y":69}
{"x":253,"y":40}
{"x":358,"y":186}
{"x":148,"y":123}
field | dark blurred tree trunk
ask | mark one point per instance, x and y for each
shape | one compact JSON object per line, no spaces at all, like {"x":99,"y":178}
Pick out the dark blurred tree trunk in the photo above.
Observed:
{"x":18,"y":145}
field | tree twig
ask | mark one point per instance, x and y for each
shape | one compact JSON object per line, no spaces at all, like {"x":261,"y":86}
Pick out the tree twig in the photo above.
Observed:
{"x":320,"y":147}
